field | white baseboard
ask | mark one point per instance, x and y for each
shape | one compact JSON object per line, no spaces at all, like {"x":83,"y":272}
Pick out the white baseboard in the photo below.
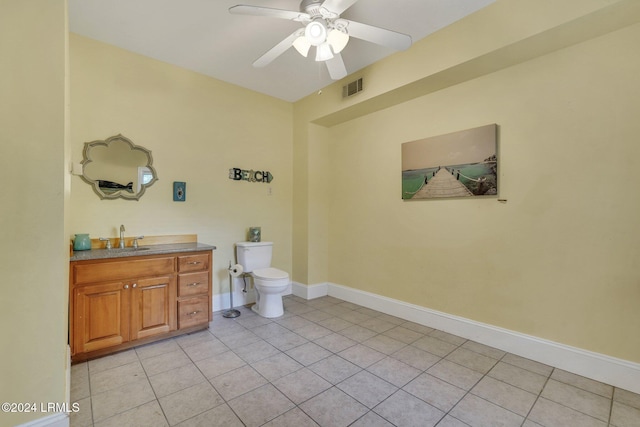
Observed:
{"x":223,"y":301}
{"x":600,"y":367}
{"x":310,"y":291}
{"x":53,"y":420}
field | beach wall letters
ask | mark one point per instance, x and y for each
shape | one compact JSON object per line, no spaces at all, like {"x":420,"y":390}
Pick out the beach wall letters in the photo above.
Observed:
{"x":250,"y":175}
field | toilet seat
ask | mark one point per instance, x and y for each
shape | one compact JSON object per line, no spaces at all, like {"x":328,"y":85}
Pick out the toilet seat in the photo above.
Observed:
{"x":270,"y":274}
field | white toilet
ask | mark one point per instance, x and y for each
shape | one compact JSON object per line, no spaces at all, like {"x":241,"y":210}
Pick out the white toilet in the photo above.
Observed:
{"x":270,"y":283}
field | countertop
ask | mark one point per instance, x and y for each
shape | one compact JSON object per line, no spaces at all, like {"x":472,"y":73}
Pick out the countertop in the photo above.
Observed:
{"x":142,"y":250}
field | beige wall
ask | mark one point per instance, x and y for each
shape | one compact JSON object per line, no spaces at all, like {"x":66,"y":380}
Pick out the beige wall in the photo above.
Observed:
{"x":33,"y":295}
{"x":197,"y":129}
{"x":557,"y":260}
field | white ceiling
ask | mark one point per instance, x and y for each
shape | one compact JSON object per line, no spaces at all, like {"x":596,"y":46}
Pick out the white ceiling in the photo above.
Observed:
{"x":201,"y":35}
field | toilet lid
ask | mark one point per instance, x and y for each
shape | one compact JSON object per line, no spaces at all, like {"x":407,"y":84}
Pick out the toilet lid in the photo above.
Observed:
{"x":270,"y":273}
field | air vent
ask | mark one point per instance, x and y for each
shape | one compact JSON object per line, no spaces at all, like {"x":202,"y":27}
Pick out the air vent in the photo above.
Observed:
{"x":352,"y":88}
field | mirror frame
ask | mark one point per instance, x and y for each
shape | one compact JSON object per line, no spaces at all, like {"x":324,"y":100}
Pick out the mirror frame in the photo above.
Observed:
{"x":86,"y":154}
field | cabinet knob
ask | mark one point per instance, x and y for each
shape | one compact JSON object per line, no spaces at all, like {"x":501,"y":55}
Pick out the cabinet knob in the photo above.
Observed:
{"x":194,"y":263}
{"x":135,"y":285}
{"x":126,"y":286}
{"x":193,"y":284}
{"x":193,"y":313}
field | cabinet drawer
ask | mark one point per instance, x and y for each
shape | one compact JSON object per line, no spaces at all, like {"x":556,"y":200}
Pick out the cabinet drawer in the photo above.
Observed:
{"x":193,"y":284}
{"x":197,"y":262}
{"x":193,"y":311}
{"x":120,"y":270}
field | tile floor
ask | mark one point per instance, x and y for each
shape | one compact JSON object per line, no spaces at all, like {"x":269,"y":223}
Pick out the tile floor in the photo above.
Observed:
{"x":332,"y":363}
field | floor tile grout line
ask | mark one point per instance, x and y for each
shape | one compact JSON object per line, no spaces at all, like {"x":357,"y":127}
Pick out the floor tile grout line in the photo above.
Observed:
{"x":292,"y":329}
{"x":303,"y":367}
{"x":208,"y":380}
{"x":118,"y":413}
{"x":398,"y":388}
{"x":334,"y":385}
{"x":164,"y":414}
{"x":469,"y":391}
{"x":151,"y":385}
{"x":511,"y":385}
{"x":205,"y":377}
{"x":365,"y":369}
{"x":344,"y":379}
{"x":455,"y":418}
{"x":538,"y":396}
{"x":192,"y":362}
{"x":226,"y":402}
{"x":90,"y":393}
{"x":611,"y":407}
{"x":569,"y":407}
{"x":389,"y":397}
{"x":581,"y":388}
{"x":271,"y":382}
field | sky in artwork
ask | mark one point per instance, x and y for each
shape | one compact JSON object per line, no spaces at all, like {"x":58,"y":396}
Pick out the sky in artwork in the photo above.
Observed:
{"x":467,"y":146}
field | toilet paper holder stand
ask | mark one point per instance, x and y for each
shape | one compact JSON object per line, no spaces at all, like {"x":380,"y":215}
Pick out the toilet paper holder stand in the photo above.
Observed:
{"x":234,"y":271}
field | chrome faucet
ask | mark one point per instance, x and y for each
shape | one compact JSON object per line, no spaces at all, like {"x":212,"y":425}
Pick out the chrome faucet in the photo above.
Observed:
{"x":121,"y":245}
{"x":108,"y":240}
{"x":135,"y":242}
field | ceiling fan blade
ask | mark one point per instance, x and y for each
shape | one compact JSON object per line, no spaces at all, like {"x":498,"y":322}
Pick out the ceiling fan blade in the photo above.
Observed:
{"x":336,"y":67}
{"x":337,"y":6}
{"x":278,"y":49}
{"x":243,"y":9}
{"x":377,"y":35}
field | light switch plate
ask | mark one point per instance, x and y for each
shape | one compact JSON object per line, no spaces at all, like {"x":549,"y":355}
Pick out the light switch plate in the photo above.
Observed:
{"x":179,"y":191}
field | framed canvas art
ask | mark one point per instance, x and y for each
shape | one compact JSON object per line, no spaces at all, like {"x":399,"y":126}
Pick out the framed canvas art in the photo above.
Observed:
{"x":459,"y":164}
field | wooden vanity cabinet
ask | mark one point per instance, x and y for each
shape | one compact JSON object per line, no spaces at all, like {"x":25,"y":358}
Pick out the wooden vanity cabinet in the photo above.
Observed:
{"x":119,"y":303}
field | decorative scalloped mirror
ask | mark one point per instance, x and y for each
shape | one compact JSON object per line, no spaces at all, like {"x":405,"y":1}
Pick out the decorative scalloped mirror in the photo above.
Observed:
{"x":117,"y":168}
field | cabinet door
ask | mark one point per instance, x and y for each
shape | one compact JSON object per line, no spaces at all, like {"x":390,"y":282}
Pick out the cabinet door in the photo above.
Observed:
{"x":153,"y":306}
{"x":101,"y":316}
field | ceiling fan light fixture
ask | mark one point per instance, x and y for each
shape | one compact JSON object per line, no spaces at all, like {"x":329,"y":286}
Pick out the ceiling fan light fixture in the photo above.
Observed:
{"x":302,"y":45}
{"x":316,"y":32}
{"x":338,"y":40}
{"x":323,"y":52}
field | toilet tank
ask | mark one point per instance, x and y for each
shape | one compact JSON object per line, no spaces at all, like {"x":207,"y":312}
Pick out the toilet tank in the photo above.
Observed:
{"x":254,"y":255}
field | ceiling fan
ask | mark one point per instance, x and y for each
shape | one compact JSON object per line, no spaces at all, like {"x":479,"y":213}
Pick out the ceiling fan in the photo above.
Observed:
{"x":323,"y":29}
